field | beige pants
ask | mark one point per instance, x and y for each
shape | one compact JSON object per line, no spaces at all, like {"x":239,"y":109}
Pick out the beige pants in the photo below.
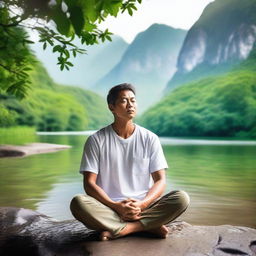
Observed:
{"x":97,"y":216}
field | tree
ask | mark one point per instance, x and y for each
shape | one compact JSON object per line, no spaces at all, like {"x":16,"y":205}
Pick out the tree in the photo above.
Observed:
{"x":57,"y":22}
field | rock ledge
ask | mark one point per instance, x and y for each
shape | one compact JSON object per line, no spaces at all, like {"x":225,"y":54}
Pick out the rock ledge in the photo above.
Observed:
{"x":29,"y":149}
{"x":26,"y":232}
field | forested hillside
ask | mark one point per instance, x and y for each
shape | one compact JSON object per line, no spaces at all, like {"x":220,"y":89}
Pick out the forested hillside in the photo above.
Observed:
{"x":223,"y":36}
{"x":217,"y":106}
{"x":53,"y":107}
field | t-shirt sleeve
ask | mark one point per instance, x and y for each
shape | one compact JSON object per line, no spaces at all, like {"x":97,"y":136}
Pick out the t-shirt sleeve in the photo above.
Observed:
{"x":157,"y":158}
{"x":90,"y":157}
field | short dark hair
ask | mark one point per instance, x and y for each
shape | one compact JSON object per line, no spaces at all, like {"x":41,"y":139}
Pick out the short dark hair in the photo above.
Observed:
{"x":114,"y":92}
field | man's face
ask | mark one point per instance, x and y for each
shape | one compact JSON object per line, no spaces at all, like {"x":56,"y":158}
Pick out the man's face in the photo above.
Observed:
{"x":125,"y":106}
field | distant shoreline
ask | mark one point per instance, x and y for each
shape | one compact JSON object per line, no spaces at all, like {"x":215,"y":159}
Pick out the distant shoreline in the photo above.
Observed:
{"x":39,"y":148}
{"x":68,"y":133}
{"x":204,"y":141}
{"x":174,"y":140}
{"x":30,"y":149}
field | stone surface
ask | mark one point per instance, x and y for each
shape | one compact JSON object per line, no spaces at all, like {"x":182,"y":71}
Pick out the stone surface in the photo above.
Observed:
{"x":29,"y":149}
{"x":27,"y":232}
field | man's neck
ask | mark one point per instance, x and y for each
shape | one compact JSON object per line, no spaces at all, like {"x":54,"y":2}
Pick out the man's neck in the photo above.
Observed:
{"x":124,"y":129}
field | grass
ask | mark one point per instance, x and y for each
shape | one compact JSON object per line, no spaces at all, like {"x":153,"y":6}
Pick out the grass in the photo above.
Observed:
{"x":18,"y":135}
{"x":17,"y":130}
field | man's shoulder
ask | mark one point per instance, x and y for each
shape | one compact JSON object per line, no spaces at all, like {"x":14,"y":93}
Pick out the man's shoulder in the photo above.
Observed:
{"x":100,"y":134}
{"x":146,"y":133}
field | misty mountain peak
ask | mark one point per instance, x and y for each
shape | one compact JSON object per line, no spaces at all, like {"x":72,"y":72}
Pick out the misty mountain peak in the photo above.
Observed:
{"x":148,"y":63}
{"x":223,"y":36}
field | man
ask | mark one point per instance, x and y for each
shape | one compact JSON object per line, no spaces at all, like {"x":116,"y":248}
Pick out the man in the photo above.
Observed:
{"x":124,"y":176}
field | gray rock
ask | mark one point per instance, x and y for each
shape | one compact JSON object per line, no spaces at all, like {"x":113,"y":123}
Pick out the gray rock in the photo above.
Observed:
{"x":27,"y":232}
{"x":29,"y":149}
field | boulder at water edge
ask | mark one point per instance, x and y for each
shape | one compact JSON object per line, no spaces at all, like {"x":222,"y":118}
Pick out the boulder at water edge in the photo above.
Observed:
{"x":26,"y":232}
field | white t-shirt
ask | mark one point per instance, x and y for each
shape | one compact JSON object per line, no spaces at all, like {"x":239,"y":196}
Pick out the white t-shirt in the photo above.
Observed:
{"x":123,"y":166}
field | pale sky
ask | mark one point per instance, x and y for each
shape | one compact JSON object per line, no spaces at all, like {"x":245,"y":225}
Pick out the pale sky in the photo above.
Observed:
{"x":175,"y":13}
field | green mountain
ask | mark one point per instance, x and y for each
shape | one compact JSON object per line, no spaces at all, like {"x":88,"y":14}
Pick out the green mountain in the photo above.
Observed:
{"x":88,"y":68}
{"x":148,"y":63}
{"x":223,"y":105}
{"x":53,"y":107}
{"x":223,"y":36}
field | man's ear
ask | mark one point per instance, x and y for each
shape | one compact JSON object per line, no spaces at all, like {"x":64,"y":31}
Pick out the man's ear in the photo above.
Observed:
{"x":111,"y":107}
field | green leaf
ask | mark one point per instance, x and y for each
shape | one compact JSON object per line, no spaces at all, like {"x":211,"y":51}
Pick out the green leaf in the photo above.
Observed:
{"x":90,"y":9}
{"x":88,"y":38}
{"x":57,"y":48}
{"x":44,"y":45}
{"x":70,"y":64}
{"x":27,"y":68}
{"x":109,"y":38}
{"x":89,"y":26}
{"x":77,"y":19}
{"x":50,"y":41}
{"x":134,"y":7}
{"x":68,"y":43}
{"x":17,"y":89}
{"x":112,"y":6}
{"x":130,"y":11}
{"x":82,"y":51}
{"x":29,"y":42}
{"x":66,"y":52}
{"x":61,"y":60}
{"x":41,"y":30}
{"x":61,"y":20}
{"x":22,"y":75}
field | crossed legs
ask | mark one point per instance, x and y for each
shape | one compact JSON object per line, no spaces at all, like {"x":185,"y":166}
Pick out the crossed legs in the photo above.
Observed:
{"x":97,"y":216}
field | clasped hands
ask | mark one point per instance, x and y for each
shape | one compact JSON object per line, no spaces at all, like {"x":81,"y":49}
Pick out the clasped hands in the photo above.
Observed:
{"x":129,"y":209}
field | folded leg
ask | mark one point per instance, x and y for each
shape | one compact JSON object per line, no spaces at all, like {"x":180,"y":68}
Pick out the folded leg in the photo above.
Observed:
{"x":95,"y":215}
{"x":164,"y":210}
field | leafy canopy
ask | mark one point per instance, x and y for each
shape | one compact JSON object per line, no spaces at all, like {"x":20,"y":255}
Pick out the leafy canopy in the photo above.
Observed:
{"x":57,"y":22}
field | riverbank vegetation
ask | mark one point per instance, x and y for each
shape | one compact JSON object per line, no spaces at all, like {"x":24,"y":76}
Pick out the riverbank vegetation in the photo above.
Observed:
{"x":218,"y":106}
{"x":16,"y":130}
{"x":53,"y":107}
{"x":18,"y":135}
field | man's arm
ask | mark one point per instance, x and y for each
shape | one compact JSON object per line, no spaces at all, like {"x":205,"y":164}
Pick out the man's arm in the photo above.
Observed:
{"x":155,"y":191}
{"x":122,"y":208}
{"x":93,"y":190}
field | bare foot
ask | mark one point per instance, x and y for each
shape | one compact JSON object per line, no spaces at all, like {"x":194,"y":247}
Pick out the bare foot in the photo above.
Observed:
{"x":131,"y":227}
{"x":161,"y":232}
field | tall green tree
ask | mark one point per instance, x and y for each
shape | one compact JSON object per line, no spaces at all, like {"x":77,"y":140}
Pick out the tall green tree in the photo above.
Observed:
{"x":57,"y":22}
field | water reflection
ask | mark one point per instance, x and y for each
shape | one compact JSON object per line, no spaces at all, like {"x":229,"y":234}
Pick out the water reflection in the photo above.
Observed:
{"x":56,"y":203}
{"x":220,"y":179}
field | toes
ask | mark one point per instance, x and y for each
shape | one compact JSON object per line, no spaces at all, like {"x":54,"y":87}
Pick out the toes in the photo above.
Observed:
{"x":105,"y":236}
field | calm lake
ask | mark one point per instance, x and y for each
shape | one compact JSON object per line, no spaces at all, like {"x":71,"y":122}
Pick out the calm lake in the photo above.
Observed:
{"x":219,"y":176}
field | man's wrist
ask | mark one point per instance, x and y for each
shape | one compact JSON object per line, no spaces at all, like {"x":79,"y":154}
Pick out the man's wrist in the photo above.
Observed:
{"x":112,"y":205}
{"x":143,"y":204}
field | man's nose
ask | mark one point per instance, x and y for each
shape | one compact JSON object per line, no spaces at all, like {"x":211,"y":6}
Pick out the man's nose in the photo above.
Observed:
{"x":130,"y":103}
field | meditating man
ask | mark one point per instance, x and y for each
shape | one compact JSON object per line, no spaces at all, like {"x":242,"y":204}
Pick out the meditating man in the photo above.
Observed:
{"x":124,"y":176}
